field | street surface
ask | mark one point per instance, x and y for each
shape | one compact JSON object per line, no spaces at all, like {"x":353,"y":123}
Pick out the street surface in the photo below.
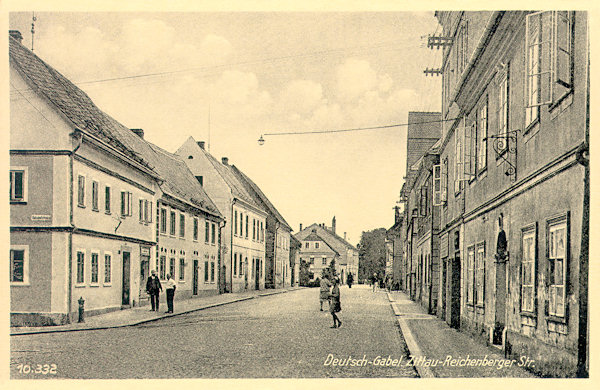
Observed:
{"x":278,"y":336}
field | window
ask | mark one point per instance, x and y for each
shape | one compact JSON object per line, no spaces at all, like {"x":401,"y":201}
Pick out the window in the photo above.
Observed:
{"x":212,"y":270}
{"x":470,"y":150}
{"x":482,"y":126}
{"x":80,"y":267}
{"x":306,"y":245}
{"x":262,"y":232}
{"x":242,"y":270}
{"x":241,"y":225}
{"x":206,"y":271}
{"x":557,"y":265}
{"x":206,"y":232}
{"x":213,"y":233}
{"x":458,"y":159}
{"x":107,"y":200}
{"x":95,"y":195}
{"x":528,"y":268}
{"x":470,"y":274}
{"x":19,"y":264}
{"x":148,"y":211}
{"x":172,"y":267}
{"x":235,"y":223}
{"x":437,"y":185}
{"x":173,"y":224}
{"x":141,"y":210}
{"x":81,"y":191}
{"x":312,"y":260}
{"x":253,"y":229}
{"x":196,"y":229}
{"x":480,"y":275}
{"x":181,"y":225}
{"x":324,"y":260}
{"x":163,"y":221}
{"x":163,"y":267}
{"x":502,"y":113}
{"x":182,"y":268}
{"x":18,"y":185}
{"x":107,"y":268}
{"x":549,"y":52}
{"x":423,"y":202}
{"x":94,"y":269}
{"x":246,"y":226}
{"x":445,"y":180}
{"x":316,"y":245}
{"x":125,"y":203}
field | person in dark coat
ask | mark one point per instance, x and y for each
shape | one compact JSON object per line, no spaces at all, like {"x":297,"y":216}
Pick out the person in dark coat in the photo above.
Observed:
{"x":324,"y":291}
{"x":153,"y":288}
{"x":349,"y":280}
{"x":334,"y":303}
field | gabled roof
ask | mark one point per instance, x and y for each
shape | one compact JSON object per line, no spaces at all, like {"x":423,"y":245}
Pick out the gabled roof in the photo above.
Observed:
{"x":314,"y":236}
{"x":238,"y":190}
{"x":179,"y":182}
{"x":70,"y":101}
{"x":259,"y":196}
{"x":328,"y":236}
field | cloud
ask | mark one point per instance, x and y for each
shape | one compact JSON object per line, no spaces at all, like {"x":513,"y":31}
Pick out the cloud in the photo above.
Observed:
{"x":354,"y":77}
{"x":301,"y":96}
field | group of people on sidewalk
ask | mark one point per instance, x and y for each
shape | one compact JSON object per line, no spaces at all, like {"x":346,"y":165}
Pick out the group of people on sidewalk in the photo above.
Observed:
{"x":154,"y":288}
{"x":333,"y":297}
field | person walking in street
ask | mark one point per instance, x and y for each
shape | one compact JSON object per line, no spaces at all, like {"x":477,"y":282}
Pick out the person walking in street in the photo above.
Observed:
{"x":349,"y":280}
{"x":324,"y":291}
{"x":153,"y":288}
{"x":335,"y":304}
{"x":170,"y":288}
{"x":374,"y":281}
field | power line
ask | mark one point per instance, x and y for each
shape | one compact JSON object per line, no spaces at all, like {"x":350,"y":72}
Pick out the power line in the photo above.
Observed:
{"x":359,"y":128}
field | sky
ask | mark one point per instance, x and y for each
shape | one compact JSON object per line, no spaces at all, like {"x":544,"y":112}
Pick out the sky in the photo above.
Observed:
{"x":228,"y":77}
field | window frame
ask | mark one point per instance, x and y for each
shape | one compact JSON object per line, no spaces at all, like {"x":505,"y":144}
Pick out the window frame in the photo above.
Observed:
{"x":162,"y":269}
{"x":181,"y":269}
{"x":196,"y":229}
{"x":479,"y":277}
{"x":181,"y":225}
{"x":94,"y":269}
{"x":213,"y":233}
{"x":163,"y":220}
{"x":470,"y":279}
{"x":529,"y":231}
{"x":552,"y":222}
{"x":126,"y":200}
{"x":109,"y":281}
{"x":95,"y":195}
{"x":172,"y":223}
{"x":81,"y":190}
{"x":481,"y":144}
{"x":24,"y":184}
{"x":25,"y":250}
{"x":107,"y":199}
{"x":206,"y":232}
{"x":80,"y":272}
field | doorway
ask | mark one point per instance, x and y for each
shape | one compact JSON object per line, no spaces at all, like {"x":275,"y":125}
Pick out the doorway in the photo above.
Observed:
{"x":144,"y":274}
{"x":455,"y":292}
{"x":257,"y":275}
{"x":126,"y":281}
{"x":500,"y":309}
{"x":195,"y":278}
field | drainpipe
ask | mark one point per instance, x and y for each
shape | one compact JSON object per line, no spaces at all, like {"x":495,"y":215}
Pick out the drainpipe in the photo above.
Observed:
{"x":231,"y":249}
{"x":78,"y":135}
{"x":582,"y":340}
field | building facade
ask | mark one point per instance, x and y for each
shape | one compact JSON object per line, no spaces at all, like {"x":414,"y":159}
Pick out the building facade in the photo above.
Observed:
{"x":244,"y":235}
{"x":75,"y":190}
{"x":277,"y":236}
{"x":511,"y":183}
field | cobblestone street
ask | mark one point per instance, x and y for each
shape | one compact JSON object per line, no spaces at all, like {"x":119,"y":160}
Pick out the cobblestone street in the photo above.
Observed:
{"x":283,"y":335}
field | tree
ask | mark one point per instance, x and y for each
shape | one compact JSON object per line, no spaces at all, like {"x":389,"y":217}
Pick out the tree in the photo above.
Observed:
{"x":330,"y":271}
{"x":371,"y":254}
{"x":305,"y":274}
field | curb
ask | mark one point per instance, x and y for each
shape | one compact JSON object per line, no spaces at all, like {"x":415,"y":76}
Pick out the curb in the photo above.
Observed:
{"x":411,"y":343}
{"x":151,"y":319}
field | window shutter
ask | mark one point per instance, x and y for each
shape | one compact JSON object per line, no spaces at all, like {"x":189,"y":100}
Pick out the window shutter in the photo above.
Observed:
{"x":445,"y":181}
{"x":469,"y":151}
{"x":123,"y":203}
{"x":437,"y":185}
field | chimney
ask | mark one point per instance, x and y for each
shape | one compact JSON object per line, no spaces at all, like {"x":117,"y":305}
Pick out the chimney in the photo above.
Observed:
{"x":201,"y":144}
{"x":139,"y":132}
{"x":344,"y":235}
{"x":16,"y":34}
{"x":333,"y":225}
{"x":300,"y":227}
{"x":225,"y":160}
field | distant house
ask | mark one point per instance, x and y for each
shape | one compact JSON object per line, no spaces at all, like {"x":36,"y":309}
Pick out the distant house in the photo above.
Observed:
{"x":243,"y":238}
{"x":76,"y":185}
{"x":277,"y":244}
{"x":318,"y":254}
{"x":348,"y":254}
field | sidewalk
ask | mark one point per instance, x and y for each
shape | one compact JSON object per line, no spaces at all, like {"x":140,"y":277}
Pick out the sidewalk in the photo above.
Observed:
{"x":444,"y":352}
{"x":142,"y":314}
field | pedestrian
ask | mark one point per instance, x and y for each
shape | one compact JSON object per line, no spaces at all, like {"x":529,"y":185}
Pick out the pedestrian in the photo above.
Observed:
{"x":374,"y":281}
{"x":349,"y":280}
{"x":334,"y":303}
{"x":324,"y":291}
{"x":153,"y":288}
{"x":170,"y":288}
